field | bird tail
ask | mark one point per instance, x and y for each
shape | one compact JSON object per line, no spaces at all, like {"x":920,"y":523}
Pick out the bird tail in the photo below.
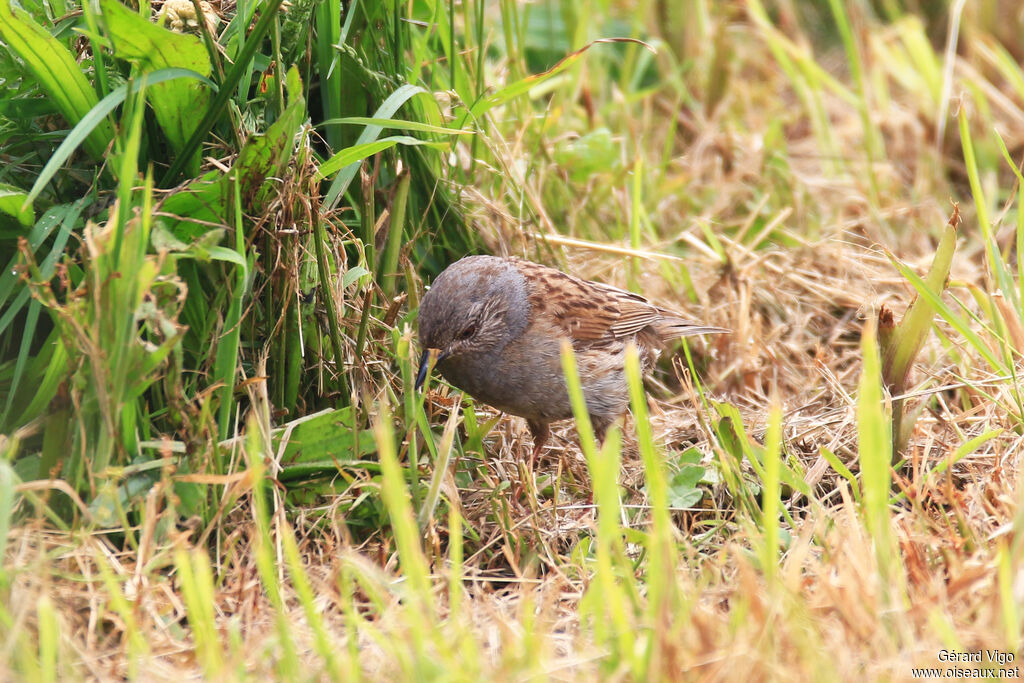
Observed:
{"x":676,"y":328}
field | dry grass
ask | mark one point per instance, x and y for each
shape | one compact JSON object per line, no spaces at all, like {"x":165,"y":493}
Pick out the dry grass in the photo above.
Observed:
{"x":795,"y":276}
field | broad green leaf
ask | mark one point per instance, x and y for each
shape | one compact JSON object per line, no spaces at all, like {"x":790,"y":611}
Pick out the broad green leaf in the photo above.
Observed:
{"x":14,"y":202}
{"x":97,"y":117}
{"x":202,"y":204}
{"x":691,"y":456}
{"x":218,"y":106}
{"x":163,"y":240}
{"x":58,"y":73}
{"x":595,"y":152}
{"x":268,"y":155}
{"x":179,"y":104}
{"x":197,"y":207}
{"x":353,"y":274}
{"x":225,"y":254}
{"x":683,"y":489}
{"x":316,"y":445}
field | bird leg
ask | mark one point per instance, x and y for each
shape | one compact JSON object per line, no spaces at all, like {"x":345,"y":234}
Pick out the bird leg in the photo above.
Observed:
{"x":601,"y":424}
{"x":540,"y":432}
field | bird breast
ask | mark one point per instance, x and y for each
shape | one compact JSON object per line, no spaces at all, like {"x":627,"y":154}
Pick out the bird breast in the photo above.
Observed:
{"x":525,"y":377}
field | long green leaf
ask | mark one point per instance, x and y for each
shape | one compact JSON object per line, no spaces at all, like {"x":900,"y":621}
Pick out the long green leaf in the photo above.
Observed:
{"x":14,"y":202}
{"x":524,"y":85}
{"x":226,"y":357}
{"x":346,"y":158}
{"x":178,"y":104}
{"x":396,"y":124}
{"x":328,"y":38}
{"x":874,"y":441}
{"x":385,"y":111}
{"x":96,"y":117}
{"x":958,"y":323}
{"x":9,"y":278}
{"x":58,"y":73}
{"x":908,"y":338}
{"x":216,"y":110}
{"x":69,"y":217}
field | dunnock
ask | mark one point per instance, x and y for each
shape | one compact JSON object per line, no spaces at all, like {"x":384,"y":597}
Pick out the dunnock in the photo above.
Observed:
{"x":497,"y":325}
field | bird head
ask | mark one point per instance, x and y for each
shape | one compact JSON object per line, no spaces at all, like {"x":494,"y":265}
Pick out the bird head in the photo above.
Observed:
{"x":476,"y":306}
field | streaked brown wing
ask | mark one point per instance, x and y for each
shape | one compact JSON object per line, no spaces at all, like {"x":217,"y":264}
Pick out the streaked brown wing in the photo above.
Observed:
{"x":588,"y":312}
{"x":634,"y":312}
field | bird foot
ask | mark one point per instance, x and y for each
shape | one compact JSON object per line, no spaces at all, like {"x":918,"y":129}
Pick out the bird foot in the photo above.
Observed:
{"x":540,"y":432}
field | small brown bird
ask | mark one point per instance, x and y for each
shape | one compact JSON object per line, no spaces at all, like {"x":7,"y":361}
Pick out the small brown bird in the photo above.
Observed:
{"x":496,"y":326}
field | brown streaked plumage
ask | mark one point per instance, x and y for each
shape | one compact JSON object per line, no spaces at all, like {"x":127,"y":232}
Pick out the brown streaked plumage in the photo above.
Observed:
{"x":497,"y":326}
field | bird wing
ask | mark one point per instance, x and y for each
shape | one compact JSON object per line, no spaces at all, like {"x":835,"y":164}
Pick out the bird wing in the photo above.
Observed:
{"x":636,"y":314}
{"x":590,"y":312}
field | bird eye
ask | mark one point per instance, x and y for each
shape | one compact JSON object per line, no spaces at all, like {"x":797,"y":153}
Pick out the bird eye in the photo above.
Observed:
{"x":467,"y":332}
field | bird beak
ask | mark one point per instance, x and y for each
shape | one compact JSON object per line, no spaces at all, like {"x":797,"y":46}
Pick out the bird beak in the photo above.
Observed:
{"x":428,"y":360}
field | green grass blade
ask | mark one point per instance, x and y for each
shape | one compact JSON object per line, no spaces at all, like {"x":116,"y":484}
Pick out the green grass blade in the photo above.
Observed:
{"x":394,"y":124}
{"x":96,"y":117}
{"x":387,"y":272}
{"x":386,"y":111}
{"x":177,"y":104}
{"x":996,"y":264}
{"x":353,"y":155}
{"x":444,"y":453}
{"x":303,"y":589}
{"x":771,"y":492}
{"x":874,"y":441}
{"x":16,"y":203}
{"x":215,"y":113}
{"x":226,"y":359}
{"x":958,"y":323}
{"x":195,"y":577}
